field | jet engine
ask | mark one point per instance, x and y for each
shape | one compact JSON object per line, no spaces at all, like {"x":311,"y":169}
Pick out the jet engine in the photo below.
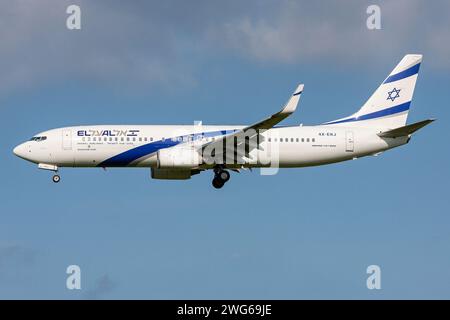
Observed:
{"x":178,"y":158}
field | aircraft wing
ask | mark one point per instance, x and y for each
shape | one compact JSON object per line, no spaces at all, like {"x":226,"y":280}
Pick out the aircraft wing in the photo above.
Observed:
{"x":251,"y":131}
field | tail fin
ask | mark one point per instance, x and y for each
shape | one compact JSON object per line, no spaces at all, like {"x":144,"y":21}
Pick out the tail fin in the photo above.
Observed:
{"x":388,"y":106}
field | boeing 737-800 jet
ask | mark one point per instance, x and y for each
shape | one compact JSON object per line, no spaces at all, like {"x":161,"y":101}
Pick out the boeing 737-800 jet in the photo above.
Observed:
{"x":178,"y":152}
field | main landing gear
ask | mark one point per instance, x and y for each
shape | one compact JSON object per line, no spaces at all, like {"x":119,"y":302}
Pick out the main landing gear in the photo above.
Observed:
{"x":220,"y":177}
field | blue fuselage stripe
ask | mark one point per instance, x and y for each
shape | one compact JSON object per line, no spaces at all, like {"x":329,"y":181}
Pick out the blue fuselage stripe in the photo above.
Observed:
{"x":404,"y":74}
{"x":125,"y":158}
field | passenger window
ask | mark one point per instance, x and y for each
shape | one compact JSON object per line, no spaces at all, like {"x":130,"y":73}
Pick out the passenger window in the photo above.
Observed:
{"x":94,"y":139}
{"x":296,"y":139}
{"x":269,"y":139}
{"x":307,"y":140}
{"x":313,"y":140}
{"x":303,"y":139}
{"x":151,"y":138}
{"x":292,"y":139}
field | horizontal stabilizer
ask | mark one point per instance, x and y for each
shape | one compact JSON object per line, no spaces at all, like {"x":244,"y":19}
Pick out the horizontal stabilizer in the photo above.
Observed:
{"x":406,"y":130}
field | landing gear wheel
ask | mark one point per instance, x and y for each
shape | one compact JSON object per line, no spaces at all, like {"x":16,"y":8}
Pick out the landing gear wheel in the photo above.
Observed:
{"x":217,"y":183}
{"x":224,"y":175}
{"x":56,"y":178}
{"x":220,"y":177}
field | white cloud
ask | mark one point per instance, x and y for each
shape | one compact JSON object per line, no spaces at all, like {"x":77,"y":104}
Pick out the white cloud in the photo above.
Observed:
{"x":328,"y":31}
{"x":157,"y":43}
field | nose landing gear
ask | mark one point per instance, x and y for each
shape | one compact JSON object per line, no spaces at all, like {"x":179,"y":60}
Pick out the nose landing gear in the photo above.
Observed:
{"x":221,"y":176}
{"x":51,"y":167}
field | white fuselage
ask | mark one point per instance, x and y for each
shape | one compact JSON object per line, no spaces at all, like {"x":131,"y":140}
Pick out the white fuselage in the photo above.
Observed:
{"x":137,"y":146}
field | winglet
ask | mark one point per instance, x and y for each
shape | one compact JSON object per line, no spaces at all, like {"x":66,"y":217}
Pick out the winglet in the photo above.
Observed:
{"x":299,"y":89}
{"x":291,"y":105}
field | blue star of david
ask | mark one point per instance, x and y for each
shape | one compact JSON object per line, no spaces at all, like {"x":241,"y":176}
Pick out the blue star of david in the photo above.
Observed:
{"x":392,"y":95}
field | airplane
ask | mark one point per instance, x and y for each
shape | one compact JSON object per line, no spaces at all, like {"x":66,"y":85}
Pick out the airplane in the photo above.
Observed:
{"x":177,"y":152}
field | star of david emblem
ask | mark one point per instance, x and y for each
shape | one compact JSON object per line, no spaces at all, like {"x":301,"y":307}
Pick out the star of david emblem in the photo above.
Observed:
{"x":394,"y":94}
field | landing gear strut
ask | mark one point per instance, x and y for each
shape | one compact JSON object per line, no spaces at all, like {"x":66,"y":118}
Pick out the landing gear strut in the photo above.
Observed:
{"x":220,"y":177}
{"x":51,"y":167}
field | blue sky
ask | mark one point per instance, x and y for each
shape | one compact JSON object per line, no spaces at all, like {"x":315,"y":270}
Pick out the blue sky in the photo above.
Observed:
{"x":303,"y":233}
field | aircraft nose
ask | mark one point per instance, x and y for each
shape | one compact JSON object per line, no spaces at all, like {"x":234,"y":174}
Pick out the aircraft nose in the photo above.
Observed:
{"x":19,"y":151}
{"x":16,"y":150}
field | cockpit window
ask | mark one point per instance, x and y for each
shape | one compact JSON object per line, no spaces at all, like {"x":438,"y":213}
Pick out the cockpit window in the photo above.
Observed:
{"x":38,"y":139}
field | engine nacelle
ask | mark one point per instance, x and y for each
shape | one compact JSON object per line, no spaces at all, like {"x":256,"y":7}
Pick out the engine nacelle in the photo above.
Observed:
{"x":171,"y":174}
{"x":178,"y":158}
